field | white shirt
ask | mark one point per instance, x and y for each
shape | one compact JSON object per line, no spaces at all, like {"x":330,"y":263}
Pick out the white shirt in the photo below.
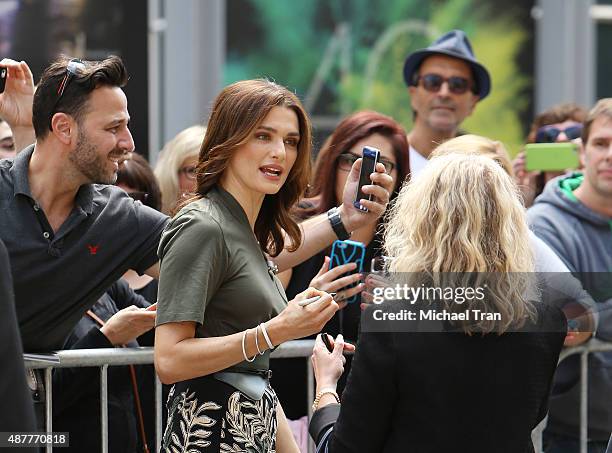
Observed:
{"x":417,"y":162}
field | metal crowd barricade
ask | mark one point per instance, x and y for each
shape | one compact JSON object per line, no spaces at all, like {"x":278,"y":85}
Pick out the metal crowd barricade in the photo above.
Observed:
{"x":105,"y":357}
{"x":584,"y":350}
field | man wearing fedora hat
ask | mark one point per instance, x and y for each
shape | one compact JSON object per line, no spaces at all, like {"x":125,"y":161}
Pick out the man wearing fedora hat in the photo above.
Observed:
{"x":445,"y":82}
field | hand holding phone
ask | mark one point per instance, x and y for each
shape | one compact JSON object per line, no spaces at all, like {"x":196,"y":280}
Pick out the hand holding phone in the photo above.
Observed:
{"x":368,"y":166}
{"x":325,"y":338}
{"x":344,"y":252}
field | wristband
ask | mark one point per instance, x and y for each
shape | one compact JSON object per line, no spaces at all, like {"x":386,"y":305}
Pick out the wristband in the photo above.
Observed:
{"x":324,"y":391}
{"x":333,"y":215}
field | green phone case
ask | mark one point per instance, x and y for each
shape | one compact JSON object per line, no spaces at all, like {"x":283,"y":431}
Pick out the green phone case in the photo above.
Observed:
{"x":551,"y":156}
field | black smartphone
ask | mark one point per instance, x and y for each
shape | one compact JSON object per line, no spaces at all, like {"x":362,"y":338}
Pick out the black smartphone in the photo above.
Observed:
{"x":3,"y":73}
{"x":325,"y":339}
{"x":370,"y":157}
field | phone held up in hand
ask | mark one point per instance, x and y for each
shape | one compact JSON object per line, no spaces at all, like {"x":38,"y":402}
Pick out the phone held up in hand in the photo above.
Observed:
{"x":344,"y":252}
{"x":3,"y":74}
{"x":325,"y":338}
{"x":368,"y":166}
{"x":551,"y":156}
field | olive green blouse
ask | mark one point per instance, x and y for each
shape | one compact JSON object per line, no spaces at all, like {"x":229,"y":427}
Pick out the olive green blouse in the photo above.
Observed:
{"x":213,"y":272}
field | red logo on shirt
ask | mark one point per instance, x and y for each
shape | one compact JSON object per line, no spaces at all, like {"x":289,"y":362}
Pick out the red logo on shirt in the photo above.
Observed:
{"x":93,"y":249}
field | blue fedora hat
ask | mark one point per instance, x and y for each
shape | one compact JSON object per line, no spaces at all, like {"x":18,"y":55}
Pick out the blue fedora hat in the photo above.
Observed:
{"x":454,"y":44}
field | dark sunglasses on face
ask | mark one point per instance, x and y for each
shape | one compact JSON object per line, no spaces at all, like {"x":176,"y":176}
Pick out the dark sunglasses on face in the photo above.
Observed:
{"x":74,"y":67}
{"x":346,"y":161}
{"x":433,"y":83}
{"x":549,"y":134}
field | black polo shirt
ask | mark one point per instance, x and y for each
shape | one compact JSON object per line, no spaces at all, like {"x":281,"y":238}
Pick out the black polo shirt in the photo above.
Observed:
{"x":57,"y":277}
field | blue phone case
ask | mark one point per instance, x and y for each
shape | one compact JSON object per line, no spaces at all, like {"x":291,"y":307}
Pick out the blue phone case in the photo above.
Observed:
{"x":344,"y":252}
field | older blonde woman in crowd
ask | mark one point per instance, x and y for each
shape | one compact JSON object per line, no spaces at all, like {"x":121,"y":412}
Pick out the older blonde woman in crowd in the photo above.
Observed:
{"x":562,"y":288}
{"x":481,"y":386}
{"x":176,"y":167}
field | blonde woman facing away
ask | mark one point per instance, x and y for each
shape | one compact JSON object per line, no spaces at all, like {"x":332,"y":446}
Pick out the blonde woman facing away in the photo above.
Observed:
{"x":566,"y":290}
{"x":480,"y":386}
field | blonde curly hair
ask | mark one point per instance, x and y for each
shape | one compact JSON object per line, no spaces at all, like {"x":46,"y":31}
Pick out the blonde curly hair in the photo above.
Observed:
{"x":463,"y":214}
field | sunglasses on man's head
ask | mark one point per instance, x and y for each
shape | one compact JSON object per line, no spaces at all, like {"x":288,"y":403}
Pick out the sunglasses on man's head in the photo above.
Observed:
{"x":74,"y":67}
{"x":433,"y":83}
{"x":549,"y":134}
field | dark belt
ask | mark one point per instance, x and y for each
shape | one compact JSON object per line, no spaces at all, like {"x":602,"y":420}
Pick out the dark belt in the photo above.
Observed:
{"x":266,"y":374}
{"x":252,"y":383}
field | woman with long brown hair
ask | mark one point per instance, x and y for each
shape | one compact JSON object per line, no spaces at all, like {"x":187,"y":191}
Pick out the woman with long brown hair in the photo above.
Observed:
{"x":332,"y":168}
{"x":221,"y":309}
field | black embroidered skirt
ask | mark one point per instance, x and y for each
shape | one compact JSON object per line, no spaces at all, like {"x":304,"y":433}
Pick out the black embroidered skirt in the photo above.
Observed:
{"x":209,"y":416}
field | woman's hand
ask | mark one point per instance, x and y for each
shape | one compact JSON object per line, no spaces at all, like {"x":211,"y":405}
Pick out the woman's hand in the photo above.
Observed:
{"x":370,"y":293}
{"x":329,"y":366}
{"x":330,"y":280}
{"x":380,"y":189}
{"x":525,"y":180}
{"x":298,"y":321}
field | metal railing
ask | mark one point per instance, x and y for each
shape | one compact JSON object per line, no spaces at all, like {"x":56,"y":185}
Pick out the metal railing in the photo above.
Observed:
{"x":584,"y":350}
{"x":105,"y":357}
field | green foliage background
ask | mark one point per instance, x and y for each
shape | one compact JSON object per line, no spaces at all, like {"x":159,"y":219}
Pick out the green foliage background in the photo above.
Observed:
{"x":286,"y":41}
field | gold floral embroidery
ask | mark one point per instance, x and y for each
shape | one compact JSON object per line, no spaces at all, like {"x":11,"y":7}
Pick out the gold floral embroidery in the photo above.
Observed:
{"x":192,"y":436}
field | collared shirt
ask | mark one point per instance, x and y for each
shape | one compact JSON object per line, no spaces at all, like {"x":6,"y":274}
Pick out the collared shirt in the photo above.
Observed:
{"x":213,"y":272}
{"x":417,"y":162}
{"x":59,"y":275}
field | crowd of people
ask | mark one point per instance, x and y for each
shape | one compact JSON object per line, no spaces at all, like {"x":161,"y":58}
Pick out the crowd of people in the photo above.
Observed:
{"x":222,"y":253}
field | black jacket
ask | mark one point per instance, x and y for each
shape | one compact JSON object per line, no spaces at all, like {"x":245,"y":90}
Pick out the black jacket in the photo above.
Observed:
{"x":439,"y":392}
{"x":18,"y":413}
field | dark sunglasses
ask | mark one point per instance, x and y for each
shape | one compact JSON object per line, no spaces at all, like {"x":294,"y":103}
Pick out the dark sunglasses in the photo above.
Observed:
{"x":139,"y":196}
{"x":72,"y":69}
{"x":433,"y":83}
{"x":549,"y":134}
{"x":346,"y":161}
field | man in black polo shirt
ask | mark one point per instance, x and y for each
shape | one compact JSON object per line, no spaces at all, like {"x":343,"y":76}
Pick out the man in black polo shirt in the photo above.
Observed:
{"x":70,"y":239}
{"x":69,"y":234}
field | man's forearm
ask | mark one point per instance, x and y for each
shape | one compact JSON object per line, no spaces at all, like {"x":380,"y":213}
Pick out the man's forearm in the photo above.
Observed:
{"x":23,"y":136}
{"x":317,"y":234}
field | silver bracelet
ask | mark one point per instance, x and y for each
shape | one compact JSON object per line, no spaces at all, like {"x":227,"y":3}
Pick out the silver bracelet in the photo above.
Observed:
{"x":265,"y":334}
{"x":257,"y":343}
{"x":244,"y":349}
